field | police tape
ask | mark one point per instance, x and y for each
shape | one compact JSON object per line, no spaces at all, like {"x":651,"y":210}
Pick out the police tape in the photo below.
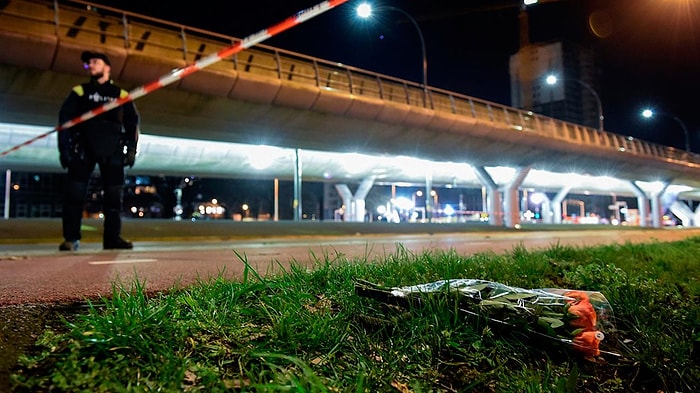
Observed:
{"x":175,"y":75}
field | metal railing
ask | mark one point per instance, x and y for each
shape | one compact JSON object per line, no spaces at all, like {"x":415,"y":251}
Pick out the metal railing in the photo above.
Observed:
{"x":87,"y":23}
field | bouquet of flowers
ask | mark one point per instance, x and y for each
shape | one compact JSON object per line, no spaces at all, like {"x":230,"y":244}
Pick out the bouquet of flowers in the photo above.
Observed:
{"x":576,"y":318}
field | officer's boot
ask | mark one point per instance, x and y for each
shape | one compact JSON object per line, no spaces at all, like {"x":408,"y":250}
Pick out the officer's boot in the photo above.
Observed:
{"x":111,"y":238}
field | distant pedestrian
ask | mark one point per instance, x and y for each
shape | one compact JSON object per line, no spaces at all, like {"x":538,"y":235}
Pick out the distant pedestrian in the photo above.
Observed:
{"x":108,"y":141}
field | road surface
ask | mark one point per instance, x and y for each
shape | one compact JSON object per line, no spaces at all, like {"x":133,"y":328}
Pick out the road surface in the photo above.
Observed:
{"x":33,"y":271}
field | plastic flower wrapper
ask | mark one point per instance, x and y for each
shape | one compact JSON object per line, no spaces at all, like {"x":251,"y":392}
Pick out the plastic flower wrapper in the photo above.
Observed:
{"x":576,"y":318}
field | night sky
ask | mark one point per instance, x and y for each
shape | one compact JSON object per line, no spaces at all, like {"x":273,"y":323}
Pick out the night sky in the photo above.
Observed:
{"x":648,"y":51}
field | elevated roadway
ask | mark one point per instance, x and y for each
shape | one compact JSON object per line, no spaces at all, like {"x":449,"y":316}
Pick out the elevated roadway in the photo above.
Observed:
{"x":207,"y":123}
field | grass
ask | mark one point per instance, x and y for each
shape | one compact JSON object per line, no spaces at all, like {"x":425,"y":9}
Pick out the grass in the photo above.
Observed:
{"x":307,"y":330}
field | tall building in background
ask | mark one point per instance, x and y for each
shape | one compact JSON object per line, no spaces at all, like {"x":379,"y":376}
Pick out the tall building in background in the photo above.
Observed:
{"x":568,"y":99}
{"x":571,"y":98}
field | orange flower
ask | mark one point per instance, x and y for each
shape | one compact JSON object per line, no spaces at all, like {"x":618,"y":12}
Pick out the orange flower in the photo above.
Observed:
{"x":581,"y":310}
{"x":587,"y":342}
{"x":583,"y":314}
{"x":578,"y":295}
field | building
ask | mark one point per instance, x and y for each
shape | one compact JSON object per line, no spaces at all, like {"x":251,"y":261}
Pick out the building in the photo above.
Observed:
{"x":573,"y":98}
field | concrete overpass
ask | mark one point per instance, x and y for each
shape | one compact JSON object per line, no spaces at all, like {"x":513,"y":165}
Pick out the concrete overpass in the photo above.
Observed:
{"x":310,"y":114}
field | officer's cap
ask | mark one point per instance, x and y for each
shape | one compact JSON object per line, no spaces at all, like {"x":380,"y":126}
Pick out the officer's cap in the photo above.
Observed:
{"x":87,"y":55}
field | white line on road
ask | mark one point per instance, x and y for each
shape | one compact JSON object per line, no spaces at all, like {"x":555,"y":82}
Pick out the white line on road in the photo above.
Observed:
{"x":122,"y":261}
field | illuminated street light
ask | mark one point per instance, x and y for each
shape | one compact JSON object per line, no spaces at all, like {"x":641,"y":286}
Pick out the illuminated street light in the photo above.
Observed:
{"x":434,"y":194}
{"x":418,"y":193}
{"x":648,"y":113}
{"x":364,"y":10}
{"x":552,"y":80}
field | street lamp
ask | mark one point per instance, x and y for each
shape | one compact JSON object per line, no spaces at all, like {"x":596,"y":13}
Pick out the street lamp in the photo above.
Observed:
{"x":364,"y":10}
{"x":418,"y":193}
{"x":434,"y":194}
{"x":648,"y":113}
{"x":552,"y":80}
{"x":421,"y":209}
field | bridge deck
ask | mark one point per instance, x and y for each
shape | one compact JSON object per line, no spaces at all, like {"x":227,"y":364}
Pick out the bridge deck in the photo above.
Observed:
{"x":266,"y":95}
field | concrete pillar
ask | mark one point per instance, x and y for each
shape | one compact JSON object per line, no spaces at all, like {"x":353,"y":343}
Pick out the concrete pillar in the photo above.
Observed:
{"x":657,"y":206}
{"x":355,"y":204}
{"x":428,"y":198}
{"x":683,"y":212}
{"x":642,"y":205}
{"x":510,"y":196}
{"x":656,"y":211}
{"x":556,"y":204}
{"x":493,"y":197}
{"x":680,"y":209}
{"x":546,"y":210}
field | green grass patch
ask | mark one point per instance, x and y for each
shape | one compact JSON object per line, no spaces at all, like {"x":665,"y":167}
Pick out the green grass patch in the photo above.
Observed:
{"x":306,"y":329}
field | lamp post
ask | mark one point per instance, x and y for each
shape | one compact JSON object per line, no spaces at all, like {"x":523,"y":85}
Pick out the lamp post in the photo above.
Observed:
{"x":364,"y":10}
{"x":552,"y":80}
{"x":648,"y":113}
{"x":419,"y":193}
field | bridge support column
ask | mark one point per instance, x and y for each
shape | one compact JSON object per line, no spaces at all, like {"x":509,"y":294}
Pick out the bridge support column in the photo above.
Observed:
{"x":679,"y":209}
{"x":656,"y":211}
{"x":355,"y":204}
{"x":642,"y":205}
{"x":429,"y":198}
{"x":493,"y":196}
{"x":546,"y":210}
{"x":656,"y":205}
{"x":684,"y":213}
{"x":556,"y":204}
{"x":510,"y":196}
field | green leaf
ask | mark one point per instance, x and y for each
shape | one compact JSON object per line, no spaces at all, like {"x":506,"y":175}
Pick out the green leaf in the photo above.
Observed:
{"x":552,"y":322}
{"x":493,"y":303}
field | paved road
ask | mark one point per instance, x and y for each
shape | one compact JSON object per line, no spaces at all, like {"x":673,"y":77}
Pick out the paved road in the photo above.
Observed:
{"x":32,"y":270}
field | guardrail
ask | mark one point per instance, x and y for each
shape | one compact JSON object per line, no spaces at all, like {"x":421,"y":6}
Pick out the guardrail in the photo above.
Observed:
{"x":93,"y":24}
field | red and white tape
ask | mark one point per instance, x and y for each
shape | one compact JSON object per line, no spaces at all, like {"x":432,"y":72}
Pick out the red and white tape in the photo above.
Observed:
{"x":175,"y":75}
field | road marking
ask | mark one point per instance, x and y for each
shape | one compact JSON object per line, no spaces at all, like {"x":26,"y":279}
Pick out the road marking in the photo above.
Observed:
{"x":122,"y":261}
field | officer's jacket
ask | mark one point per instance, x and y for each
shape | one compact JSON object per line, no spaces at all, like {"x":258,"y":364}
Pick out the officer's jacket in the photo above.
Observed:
{"x":103,"y":135}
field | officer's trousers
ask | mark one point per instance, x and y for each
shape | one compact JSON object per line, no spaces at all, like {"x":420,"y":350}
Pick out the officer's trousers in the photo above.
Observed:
{"x":75,"y":190}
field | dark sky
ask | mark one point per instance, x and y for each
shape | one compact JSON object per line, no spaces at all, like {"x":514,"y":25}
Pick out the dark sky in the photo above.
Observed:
{"x":648,"y":51}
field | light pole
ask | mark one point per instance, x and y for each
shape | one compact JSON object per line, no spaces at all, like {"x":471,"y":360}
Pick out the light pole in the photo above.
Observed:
{"x":419,"y":193}
{"x":648,"y":113}
{"x":364,"y":10}
{"x":552,"y":80}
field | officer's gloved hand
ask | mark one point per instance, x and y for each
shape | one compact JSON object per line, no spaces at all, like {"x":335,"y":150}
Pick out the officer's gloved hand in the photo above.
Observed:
{"x":129,"y":155}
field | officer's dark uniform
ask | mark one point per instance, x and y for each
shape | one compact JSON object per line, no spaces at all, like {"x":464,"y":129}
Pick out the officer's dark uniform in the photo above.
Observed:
{"x":109,"y":141}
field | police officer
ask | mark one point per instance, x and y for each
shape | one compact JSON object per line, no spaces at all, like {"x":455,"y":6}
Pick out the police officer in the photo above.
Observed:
{"x":108,"y":141}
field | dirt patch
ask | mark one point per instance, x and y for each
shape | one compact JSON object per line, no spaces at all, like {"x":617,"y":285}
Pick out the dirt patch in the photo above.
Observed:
{"x":21,"y":325}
